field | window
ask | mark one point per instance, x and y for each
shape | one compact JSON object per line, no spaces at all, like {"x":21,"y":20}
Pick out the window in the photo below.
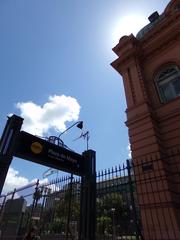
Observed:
{"x":168,"y":83}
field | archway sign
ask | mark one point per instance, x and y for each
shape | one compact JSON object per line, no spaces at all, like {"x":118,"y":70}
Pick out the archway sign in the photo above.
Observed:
{"x":15,"y":142}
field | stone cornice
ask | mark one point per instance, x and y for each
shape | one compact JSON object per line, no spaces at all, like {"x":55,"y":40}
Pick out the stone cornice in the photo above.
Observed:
{"x":161,"y":36}
{"x":170,"y":6}
{"x":158,"y":38}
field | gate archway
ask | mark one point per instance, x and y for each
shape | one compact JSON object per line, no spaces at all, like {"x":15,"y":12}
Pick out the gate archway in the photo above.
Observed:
{"x":21,"y":144}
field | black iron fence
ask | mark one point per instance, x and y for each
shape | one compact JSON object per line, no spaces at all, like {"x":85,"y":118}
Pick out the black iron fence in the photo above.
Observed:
{"x":117,"y":205}
{"x":54,"y":207}
{"x":157,"y":179}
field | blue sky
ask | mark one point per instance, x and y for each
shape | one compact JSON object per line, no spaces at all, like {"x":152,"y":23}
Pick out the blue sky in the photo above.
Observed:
{"x":57,"y":47}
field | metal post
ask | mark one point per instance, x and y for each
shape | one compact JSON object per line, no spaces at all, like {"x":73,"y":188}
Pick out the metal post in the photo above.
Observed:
{"x":135,"y":218}
{"x":88,"y":198}
{"x":7,"y":145}
{"x":35,"y":200}
{"x":69,"y":207}
{"x":41,"y":225}
{"x":113,"y":223}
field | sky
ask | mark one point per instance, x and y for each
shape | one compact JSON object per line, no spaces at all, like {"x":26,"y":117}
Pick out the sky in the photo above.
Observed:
{"x":55,"y":70}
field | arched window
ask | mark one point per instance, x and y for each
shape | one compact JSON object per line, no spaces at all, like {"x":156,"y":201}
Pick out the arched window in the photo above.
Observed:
{"x":168,"y":83}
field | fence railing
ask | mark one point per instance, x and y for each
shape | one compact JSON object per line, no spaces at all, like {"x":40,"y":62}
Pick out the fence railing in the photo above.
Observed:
{"x":54,"y":207}
{"x":148,"y":191}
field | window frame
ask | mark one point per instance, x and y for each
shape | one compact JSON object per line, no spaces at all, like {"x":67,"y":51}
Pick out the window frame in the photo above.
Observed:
{"x":161,"y":82}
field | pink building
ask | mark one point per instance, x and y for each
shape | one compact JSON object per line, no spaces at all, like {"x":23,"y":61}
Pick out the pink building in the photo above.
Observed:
{"x":150,"y":66}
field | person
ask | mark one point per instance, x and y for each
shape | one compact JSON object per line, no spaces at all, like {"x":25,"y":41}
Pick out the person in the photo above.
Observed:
{"x":33,"y":234}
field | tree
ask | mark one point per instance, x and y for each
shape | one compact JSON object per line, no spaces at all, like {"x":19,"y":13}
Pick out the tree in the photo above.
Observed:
{"x":112,"y":211}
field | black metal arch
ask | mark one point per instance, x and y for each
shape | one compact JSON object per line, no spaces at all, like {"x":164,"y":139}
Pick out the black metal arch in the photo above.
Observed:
{"x":15,"y":142}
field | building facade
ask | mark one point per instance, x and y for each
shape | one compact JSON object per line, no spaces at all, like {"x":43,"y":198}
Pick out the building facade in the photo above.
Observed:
{"x":150,"y":66}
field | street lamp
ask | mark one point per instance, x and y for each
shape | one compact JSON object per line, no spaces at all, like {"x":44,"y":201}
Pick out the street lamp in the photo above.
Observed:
{"x":78,"y":124}
{"x":59,"y":142}
{"x":85,"y":135}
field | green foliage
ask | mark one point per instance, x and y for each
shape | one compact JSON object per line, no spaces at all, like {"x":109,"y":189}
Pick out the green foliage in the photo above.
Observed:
{"x":111,"y":211}
{"x":108,"y":202}
{"x":60,"y":209}
{"x":58,"y":225}
{"x":104,"y":225}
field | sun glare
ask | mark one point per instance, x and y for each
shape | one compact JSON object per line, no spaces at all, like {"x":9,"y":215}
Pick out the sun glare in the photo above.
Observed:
{"x":128,"y":24}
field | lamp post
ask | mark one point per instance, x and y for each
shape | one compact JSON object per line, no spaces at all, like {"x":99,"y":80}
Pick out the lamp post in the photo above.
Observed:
{"x":59,"y":142}
{"x":78,"y":124}
{"x":113,"y":222}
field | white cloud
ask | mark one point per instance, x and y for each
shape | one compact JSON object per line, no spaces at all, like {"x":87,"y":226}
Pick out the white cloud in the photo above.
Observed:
{"x":53,"y":114}
{"x":129,"y":150}
{"x":13,"y":180}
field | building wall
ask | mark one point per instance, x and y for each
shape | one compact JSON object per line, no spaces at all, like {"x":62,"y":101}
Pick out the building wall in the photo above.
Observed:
{"x":154,"y":127}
